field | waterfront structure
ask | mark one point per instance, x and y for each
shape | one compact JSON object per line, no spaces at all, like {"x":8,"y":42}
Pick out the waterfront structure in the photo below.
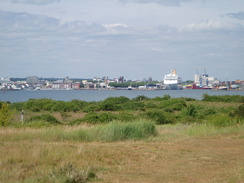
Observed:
{"x":172,"y":81}
{"x":205,"y":81}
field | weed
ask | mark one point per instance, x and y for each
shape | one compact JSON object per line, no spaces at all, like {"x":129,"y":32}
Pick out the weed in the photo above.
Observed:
{"x":71,"y":174}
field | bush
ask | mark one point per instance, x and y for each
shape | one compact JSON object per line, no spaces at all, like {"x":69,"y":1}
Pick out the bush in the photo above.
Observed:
{"x":92,"y":107}
{"x":117,"y":100}
{"x":102,"y":117}
{"x":133,"y":105}
{"x":223,"y":98}
{"x":175,"y":104}
{"x":159,"y":116}
{"x":165,"y":97}
{"x":37,"y":105}
{"x":222,"y":120}
{"x":188,"y":99}
{"x":191,"y":110}
{"x":19,"y":106}
{"x":113,"y":103}
{"x":79,"y":103}
{"x":126,"y":117}
{"x":5,"y":114}
{"x":239,"y":112}
{"x":44,"y":117}
{"x":150,"y":105}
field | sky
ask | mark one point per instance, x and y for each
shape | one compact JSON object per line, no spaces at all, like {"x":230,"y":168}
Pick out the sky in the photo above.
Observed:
{"x":136,"y":39}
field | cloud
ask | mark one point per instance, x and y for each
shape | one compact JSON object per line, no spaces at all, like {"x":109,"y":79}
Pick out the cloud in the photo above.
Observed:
{"x":161,"y":2}
{"x":210,"y":26}
{"x":11,"y":21}
{"x":35,"y":2}
{"x":239,"y":15}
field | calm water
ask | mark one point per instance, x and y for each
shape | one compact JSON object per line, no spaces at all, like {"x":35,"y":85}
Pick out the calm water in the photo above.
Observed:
{"x":98,"y":95}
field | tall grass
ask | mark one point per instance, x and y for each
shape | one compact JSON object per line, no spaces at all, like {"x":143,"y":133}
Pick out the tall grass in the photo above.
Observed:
{"x":114,"y":131}
{"x":117,"y":131}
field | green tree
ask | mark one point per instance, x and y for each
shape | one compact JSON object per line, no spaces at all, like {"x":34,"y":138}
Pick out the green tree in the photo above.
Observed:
{"x":5,"y":114}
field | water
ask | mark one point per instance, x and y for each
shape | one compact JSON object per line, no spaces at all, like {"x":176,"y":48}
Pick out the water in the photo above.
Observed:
{"x":98,"y":95}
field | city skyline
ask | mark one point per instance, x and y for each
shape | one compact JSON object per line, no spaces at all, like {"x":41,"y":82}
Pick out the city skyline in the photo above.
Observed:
{"x":135,"y":39}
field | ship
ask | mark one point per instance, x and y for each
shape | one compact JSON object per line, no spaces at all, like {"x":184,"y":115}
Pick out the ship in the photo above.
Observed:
{"x":172,"y":81}
{"x":201,"y":87}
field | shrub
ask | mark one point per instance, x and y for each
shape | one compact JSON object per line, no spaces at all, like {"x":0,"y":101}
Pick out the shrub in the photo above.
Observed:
{"x":239,"y":112}
{"x":133,"y":105}
{"x":166,"y":97}
{"x":191,"y":110}
{"x":117,"y":100}
{"x":188,"y":99}
{"x":5,"y":114}
{"x":91,"y":107}
{"x":109,"y":106}
{"x":102,"y":117}
{"x":37,"y":105}
{"x":175,"y":104}
{"x":126,"y":117}
{"x":79,"y":103}
{"x":223,"y":98}
{"x":159,"y":116}
{"x":113,"y":103}
{"x":151,"y":105}
{"x":17,"y":106}
{"x":60,"y":106}
{"x":222,"y":120}
{"x":44,"y":117}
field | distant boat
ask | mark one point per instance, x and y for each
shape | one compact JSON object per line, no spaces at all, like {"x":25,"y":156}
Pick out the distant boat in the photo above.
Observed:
{"x":172,"y":81}
{"x":129,"y":87}
{"x":222,"y":88}
{"x":201,"y":87}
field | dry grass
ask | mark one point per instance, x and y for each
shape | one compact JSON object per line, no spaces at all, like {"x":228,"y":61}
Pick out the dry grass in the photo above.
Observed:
{"x":173,"y":156}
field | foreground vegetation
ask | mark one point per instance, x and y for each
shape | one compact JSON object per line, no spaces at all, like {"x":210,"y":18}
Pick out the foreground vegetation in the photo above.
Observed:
{"x":160,"y":139}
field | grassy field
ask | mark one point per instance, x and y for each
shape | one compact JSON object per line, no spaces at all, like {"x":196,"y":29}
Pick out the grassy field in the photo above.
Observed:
{"x":178,"y":153}
{"x":123,"y":140}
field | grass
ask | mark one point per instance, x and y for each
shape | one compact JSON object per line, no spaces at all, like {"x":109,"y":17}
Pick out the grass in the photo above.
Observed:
{"x":114,"y":131}
{"x":178,"y":153}
{"x":200,"y":142}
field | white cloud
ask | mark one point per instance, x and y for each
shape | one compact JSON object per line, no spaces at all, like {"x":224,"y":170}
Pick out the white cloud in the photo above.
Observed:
{"x":210,"y":26}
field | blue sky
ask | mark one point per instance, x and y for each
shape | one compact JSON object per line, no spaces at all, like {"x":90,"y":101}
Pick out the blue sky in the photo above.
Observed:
{"x":131,"y":38}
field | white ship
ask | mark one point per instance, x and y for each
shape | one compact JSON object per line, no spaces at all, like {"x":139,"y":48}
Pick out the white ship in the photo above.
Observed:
{"x":172,"y":81}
